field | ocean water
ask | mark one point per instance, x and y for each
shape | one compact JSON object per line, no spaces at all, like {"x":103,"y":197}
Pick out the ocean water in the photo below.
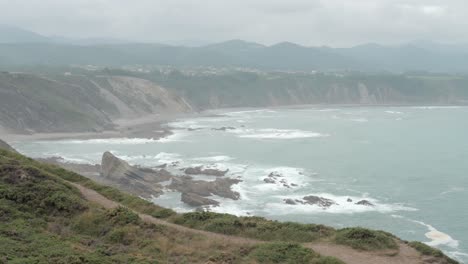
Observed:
{"x":411,"y":162}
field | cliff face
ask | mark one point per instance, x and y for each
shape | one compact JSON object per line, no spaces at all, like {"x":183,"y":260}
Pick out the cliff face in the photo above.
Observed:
{"x":78,"y":103}
{"x":32,"y":103}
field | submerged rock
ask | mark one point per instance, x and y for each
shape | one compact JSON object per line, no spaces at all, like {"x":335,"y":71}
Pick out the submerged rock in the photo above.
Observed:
{"x":365,"y":203}
{"x":289,"y":201}
{"x":349,"y":200}
{"x":210,"y":172}
{"x":196,"y":200}
{"x":223,"y":128}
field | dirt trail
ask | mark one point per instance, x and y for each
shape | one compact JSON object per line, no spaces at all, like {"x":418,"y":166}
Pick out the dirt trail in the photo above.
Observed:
{"x":406,"y":254}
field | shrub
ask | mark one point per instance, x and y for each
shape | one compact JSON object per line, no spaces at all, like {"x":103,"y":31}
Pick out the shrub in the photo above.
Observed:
{"x":123,"y":216}
{"x":253,"y":227}
{"x":282,"y":253}
{"x":365,"y":239}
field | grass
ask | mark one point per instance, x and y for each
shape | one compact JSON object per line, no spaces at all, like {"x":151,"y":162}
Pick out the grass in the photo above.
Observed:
{"x":365,"y":239}
{"x":430,"y":251}
{"x":43,"y":219}
{"x":253,"y":227}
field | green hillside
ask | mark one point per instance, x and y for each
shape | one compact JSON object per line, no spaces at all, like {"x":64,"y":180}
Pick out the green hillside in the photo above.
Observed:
{"x":45,"y":219}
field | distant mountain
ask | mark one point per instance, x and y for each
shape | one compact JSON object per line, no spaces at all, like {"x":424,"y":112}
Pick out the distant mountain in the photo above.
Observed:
{"x":9,"y":34}
{"x":21,"y":47}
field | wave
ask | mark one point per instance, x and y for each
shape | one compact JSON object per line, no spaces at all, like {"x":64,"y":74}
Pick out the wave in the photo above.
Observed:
{"x":394,"y":112}
{"x":214,"y":158}
{"x":360,"y":120}
{"x":342,"y":206}
{"x":437,"y":237}
{"x":248,"y":112}
{"x":436,"y":107}
{"x":270,"y":133}
{"x":111,"y":141}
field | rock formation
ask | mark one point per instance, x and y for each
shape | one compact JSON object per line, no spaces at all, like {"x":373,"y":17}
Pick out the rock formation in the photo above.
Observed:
{"x":196,"y":200}
{"x":139,"y":181}
{"x":205,"y":171}
{"x":220,"y":187}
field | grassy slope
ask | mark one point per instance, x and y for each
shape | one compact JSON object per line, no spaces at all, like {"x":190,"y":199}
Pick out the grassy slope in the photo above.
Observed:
{"x":42,"y":215}
{"x":45,"y":220}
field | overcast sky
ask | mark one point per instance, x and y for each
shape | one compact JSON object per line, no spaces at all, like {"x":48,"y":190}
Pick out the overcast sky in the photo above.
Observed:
{"x":308,"y":22}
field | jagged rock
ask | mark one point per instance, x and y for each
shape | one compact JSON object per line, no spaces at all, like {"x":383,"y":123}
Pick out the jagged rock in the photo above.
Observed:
{"x":220,"y":187}
{"x":113,"y":167}
{"x":5,"y":146}
{"x":223,"y":128}
{"x":349,"y":200}
{"x":289,"y":201}
{"x":268,"y":180}
{"x":319,"y":201}
{"x":196,"y":200}
{"x":365,"y":203}
{"x":134,"y":179}
{"x":210,"y":172}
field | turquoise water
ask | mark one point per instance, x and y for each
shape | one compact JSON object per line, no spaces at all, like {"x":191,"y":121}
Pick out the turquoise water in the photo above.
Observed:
{"x":411,"y":162}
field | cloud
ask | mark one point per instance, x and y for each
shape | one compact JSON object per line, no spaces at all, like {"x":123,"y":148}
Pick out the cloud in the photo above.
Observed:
{"x":309,"y":22}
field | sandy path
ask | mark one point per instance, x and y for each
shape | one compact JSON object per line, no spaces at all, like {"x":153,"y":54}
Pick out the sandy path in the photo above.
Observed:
{"x":406,"y":254}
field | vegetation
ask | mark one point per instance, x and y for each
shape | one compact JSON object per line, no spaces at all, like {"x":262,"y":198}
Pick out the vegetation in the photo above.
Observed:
{"x":43,"y":219}
{"x":253,"y":227}
{"x":365,"y":239}
{"x":430,"y":251}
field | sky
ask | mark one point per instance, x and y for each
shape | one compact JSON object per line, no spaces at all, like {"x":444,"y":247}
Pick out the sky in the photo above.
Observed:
{"x":337,"y":23}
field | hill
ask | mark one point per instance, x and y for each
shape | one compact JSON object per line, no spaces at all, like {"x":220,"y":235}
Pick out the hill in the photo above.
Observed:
{"x":29,"y":49}
{"x":50,"y":215}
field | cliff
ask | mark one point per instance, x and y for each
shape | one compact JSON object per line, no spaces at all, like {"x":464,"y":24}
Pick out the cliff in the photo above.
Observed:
{"x":97,"y":100}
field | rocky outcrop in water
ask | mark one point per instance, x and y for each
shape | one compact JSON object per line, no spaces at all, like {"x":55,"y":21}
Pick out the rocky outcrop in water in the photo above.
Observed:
{"x":196,"y":200}
{"x":220,"y":187}
{"x":319,"y":201}
{"x":199,"y":170}
{"x":137,"y":180}
{"x":365,"y":203}
{"x":278,"y":178}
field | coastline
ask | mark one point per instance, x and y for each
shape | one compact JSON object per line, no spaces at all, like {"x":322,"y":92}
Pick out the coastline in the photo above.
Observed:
{"x":154,"y":126}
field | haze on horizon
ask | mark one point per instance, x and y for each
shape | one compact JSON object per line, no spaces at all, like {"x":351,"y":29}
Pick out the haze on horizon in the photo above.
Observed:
{"x":335,"y":23}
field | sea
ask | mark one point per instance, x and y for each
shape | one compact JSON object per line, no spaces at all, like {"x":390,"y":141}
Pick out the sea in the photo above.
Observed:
{"x":410,"y":162}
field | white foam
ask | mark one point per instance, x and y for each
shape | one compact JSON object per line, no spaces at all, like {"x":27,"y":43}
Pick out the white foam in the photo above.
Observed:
{"x":75,"y":160}
{"x":394,"y":112}
{"x":437,"y":237}
{"x":342,"y":206}
{"x":436,"y":107}
{"x":460,"y":256}
{"x":116,"y":141}
{"x":248,"y":112}
{"x":183,"y":124}
{"x":271,"y":133}
{"x":360,"y":120}
{"x":214,"y":158}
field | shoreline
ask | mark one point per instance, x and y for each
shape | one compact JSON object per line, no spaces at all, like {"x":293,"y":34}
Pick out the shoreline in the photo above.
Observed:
{"x":155,"y":126}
